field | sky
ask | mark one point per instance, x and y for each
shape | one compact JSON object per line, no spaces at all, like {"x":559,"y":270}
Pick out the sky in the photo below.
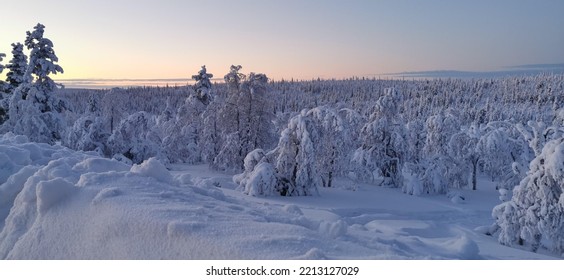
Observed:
{"x":301,"y":39}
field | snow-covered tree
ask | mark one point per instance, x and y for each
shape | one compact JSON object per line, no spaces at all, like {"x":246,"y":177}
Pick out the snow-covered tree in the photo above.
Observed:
{"x":181,"y":136}
{"x":89,"y":132}
{"x":462,"y":149}
{"x":246,"y":120}
{"x":42,"y":59}
{"x":534,"y":217}
{"x":296,"y":157}
{"x":17,"y":68}
{"x":113,"y":105}
{"x":331,"y":146}
{"x":438,"y":170}
{"x":34,"y":110}
{"x":135,"y":138}
{"x":203,"y":85}
{"x":233,"y":79}
{"x":383,"y":147}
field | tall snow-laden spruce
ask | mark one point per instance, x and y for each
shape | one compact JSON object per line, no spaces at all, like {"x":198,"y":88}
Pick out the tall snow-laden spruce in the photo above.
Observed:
{"x":34,"y":110}
{"x":17,"y":68}
{"x":42,"y":59}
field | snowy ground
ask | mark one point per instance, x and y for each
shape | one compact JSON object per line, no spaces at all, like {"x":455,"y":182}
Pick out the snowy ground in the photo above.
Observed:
{"x":59,"y":204}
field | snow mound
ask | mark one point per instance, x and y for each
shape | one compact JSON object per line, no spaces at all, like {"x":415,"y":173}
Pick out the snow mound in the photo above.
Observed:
{"x":333,"y":229}
{"x":293,"y":209}
{"x":462,"y":248}
{"x":51,"y":192}
{"x":153,"y":168}
{"x":105,"y":194}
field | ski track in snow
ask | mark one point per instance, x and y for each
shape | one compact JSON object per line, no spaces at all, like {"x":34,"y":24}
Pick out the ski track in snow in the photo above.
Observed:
{"x":61,"y":204}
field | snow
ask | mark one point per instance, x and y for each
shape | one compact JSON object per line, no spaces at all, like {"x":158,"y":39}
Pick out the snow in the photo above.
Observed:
{"x":60,"y":204}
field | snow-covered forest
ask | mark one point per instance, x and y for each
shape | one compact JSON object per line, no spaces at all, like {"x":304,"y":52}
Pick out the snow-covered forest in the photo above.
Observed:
{"x":439,"y":140}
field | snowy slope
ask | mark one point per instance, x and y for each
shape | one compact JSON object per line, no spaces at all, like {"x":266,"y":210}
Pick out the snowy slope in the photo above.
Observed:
{"x":60,"y":204}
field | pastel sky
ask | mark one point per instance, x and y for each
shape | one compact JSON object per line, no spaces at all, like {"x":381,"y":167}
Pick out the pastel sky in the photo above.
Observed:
{"x":140,"y":39}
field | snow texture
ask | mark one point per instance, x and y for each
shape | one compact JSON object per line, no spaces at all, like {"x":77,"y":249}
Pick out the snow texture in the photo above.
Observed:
{"x":63,"y":204}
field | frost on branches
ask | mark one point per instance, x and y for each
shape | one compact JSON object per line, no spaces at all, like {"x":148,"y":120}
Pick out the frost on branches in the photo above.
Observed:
{"x":534,"y":217}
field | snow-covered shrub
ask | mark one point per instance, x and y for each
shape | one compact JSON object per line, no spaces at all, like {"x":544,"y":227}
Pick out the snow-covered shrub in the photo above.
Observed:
{"x":412,"y":183}
{"x":535,"y":215}
{"x":259,"y":177}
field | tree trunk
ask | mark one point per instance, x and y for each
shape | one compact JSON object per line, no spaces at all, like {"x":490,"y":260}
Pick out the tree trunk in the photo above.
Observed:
{"x":474,"y":170}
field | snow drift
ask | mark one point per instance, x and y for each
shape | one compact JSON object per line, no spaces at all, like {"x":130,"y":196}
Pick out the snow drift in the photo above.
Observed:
{"x":56,"y":203}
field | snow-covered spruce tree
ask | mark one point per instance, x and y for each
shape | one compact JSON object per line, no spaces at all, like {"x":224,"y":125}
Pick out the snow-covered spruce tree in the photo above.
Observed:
{"x":42,"y":59}
{"x":534,"y":217}
{"x":34,"y":110}
{"x":296,"y":157}
{"x":135,"y":139}
{"x":203,"y":85}
{"x":17,"y":68}
{"x":382,"y":152}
